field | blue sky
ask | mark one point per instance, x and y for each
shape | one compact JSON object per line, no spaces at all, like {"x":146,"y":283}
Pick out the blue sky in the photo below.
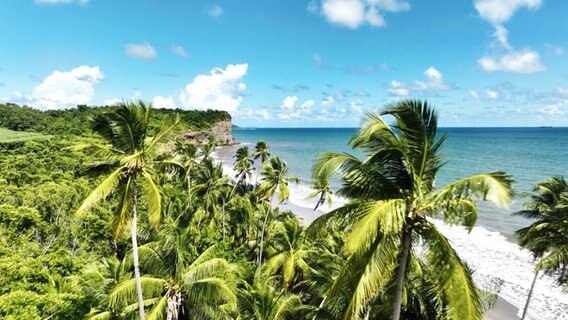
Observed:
{"x":293,"y":63}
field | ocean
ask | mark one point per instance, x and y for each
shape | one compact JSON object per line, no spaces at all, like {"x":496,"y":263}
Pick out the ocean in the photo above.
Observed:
{"x":528,"y":154}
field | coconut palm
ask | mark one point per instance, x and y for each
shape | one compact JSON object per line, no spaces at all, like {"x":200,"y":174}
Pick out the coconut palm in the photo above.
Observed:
{"x":261,"y":151}
{"x":261,"y":300}
{"x":243,"y":166}
{"x":288,"y":251}
{"x":210,"y":184}
{"x":128,"y":153}
{"x":547,"y":237}
{"x":274,"y":178}
{"x":96,"y":281}
{"x":176,"y":284}
{"x":183,"y":164}
{"x":322,"y":190}
{"x":391,"y":198}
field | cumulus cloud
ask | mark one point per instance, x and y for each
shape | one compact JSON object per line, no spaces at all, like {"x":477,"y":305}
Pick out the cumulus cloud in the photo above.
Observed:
{"x":291,"y":110}
{"x":163,"y":102}
{"x":221,"y":89}
{"x":434,"y":81}
{"x":329,"y":100}
{"x":215,"y":11}
{"x":354,"y":13}
{"x":524,"y":61}
{"x":500,"y":11}
{"x":143,"y":51}
{"x":398,"y":89}
{"x":563,"y":91}
{"x":63,"y":89}
{"x":252,"y":114}
{"x":60,"y":1}
{"x":179,"y":50}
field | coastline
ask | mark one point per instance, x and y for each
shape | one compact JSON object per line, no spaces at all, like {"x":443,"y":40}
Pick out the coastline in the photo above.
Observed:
{"x":491,"y":255}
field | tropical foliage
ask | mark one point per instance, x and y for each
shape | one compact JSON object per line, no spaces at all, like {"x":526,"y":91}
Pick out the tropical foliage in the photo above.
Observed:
{"x":204,"y":245}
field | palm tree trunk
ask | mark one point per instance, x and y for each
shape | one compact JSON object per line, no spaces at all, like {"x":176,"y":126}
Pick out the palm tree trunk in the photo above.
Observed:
{"x":406,"y":241}
{"x":530,"y":295}
{"x":263,"y":229}
{"x":134,"y":235}
{"x":223,"y":213}
{"x":174,"y":302}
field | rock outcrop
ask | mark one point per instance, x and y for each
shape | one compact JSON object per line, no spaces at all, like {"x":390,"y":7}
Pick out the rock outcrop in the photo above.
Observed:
{"x":221,"y":130}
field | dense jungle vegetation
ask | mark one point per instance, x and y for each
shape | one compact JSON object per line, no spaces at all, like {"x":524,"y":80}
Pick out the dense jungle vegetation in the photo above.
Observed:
{"x":99,"y":221}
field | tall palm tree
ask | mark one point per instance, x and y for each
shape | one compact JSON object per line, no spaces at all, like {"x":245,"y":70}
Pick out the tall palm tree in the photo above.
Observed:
{"x":322,"y":190}
{"x":243,"y":166}
{"x":288,"y":251}
{"x":274,"y":178}
{"x":183,"y":163}
{"x":391,"y":198}
{"x":547,"y":237}
{"x":261,"y":151}
{"x":128,"y":153}
{"x":210,"y":183}
{"x":178,"y":284}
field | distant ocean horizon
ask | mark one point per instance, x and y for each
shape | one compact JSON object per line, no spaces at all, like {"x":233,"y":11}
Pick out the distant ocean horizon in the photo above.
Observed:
{"x":528,"y":154}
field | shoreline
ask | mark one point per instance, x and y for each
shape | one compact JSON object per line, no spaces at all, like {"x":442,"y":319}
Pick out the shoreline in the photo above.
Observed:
{"x":491,"y":254}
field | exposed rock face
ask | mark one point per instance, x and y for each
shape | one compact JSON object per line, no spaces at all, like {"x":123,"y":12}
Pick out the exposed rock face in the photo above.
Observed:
{"x":221,"y":130}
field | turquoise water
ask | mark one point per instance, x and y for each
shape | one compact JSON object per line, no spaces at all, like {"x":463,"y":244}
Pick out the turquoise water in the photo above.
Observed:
{"x":528,"y":154}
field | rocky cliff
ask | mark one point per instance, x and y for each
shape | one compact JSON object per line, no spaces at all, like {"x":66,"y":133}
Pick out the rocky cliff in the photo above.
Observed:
{"x":221,"y":130}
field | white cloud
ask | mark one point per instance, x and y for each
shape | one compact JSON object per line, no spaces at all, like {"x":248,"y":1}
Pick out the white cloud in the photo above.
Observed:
{"x":289,"y":103}
{"x":215,"y":11}
{"x":473,"y":93}
{"x":179,"y":50}
{"x":60,"y":1}
{"x":291,"y":110}
{"x":434,"y":81}
{"x":112,"y":102}
{"x":501,"y":34}
{"x":398,"y":89}
{"x":493,"y":95}
{"x":500,"y":11}
{"x":163,"y":102}
{"x":354,"y":13}
{"x":555,"y":110}
{"x":221,"y":89}
{"x":524,"y":61}
{"x":143,"y":51}
{"x":329,"y":100}
{"x":66,"y":89}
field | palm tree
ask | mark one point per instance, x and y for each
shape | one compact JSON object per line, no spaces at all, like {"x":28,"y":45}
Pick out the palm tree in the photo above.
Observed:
{"x":547,"y":237}
{"x":128,"y":153}
{"x":209,"y":188}
{"x":96,"y":281}
{"x":274,"y":178}
{"x":243,"y":165}
{"x":261,"y":151}
{"x":288,"y":251}
{"x":177,"y":284}
{"x":392,"y":196}
{"x":322,"y":189}
{"x":182,"y":165}
{"x":262,"y":301}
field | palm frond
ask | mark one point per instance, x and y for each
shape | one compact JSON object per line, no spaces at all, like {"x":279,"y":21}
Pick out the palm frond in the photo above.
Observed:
{"x":153,"y":198}
{"x":101,"y":192}
{"x":452,"y":275}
